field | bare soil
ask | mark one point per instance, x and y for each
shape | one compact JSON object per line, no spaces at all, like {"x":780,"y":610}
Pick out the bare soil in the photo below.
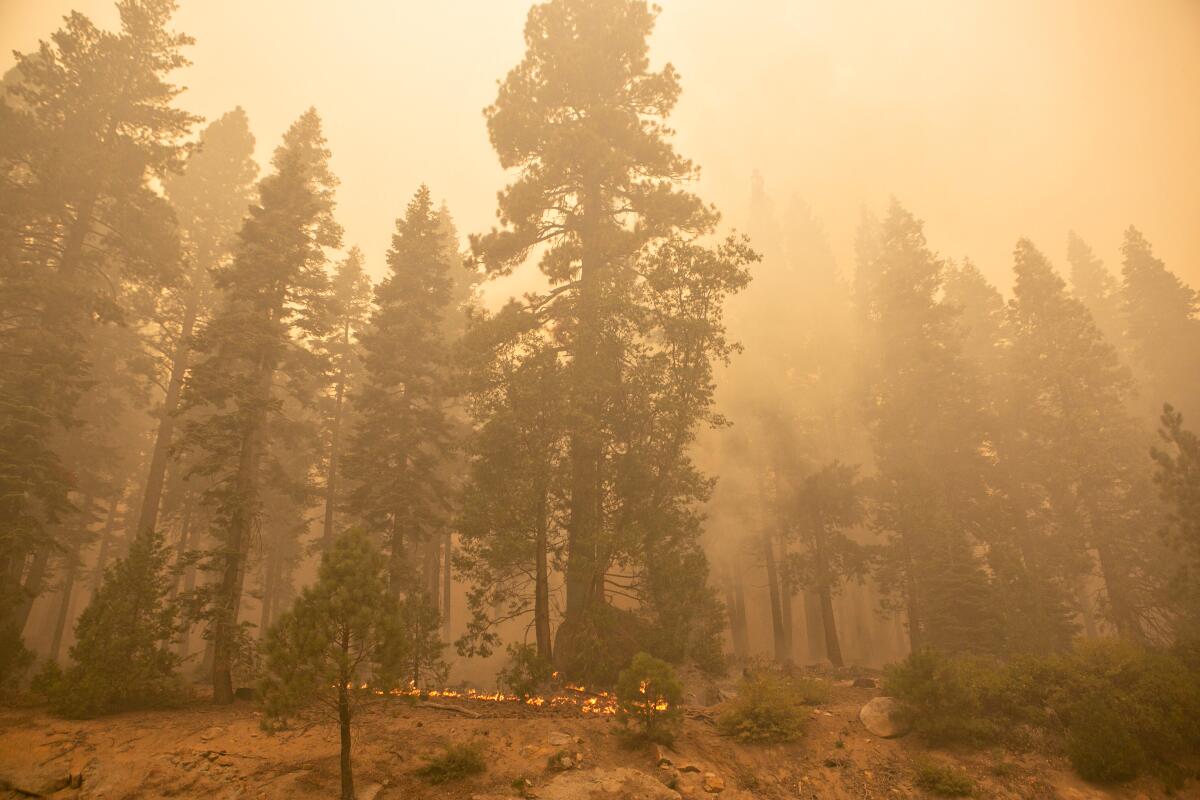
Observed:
{"x":214,"y":753}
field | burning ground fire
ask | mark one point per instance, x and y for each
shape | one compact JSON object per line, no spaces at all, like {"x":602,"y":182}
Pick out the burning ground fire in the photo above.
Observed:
{"x":574,"y":697}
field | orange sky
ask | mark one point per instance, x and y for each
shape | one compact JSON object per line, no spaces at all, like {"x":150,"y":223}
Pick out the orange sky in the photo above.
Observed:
{"x":990,"y":120}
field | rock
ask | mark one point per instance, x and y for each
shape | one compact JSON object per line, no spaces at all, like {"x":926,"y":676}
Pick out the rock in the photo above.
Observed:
{"x":881,"y":717}
{"x":611,"y":784}
{"x":33,"y":781}
{"x":713,"y":783}
{"x":661,"y":759}
{"x":864,"y":683}
{"x":208,"y":734}
{"x":370,"y":792}
{"x":559,"y":739}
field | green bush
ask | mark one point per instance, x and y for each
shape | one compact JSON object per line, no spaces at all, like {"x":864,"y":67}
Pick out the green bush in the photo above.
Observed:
{"x":943,"y":779}
{"x":526,"y":674}
{"x":1116,"y":709}
{"x":648,"y":700}
{"x":123,"y":653}
{"x":1126,"y":710}
{"x":456,"y":762}
{"x":769,"y":708}
{"x":960,"y":700}
{"x":595,"y":648}
{"x":15,"y":659}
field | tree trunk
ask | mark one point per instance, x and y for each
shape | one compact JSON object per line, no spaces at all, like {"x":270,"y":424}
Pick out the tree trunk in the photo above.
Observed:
{"x":270,"y":588}
{"x":156,"y":479}
{"x":396,"y":558}
{"x":331,"y":477}
{"x":782,"y":655}
{"x":185,"y":532}
{"x":344,"y":729}
{"x":241,"y":528}
{"x":446,"y":576}
{"x":541,"y":599}
{"x":584,"y":576}
{"x":64,"y":603}
{"x":785,"y":600}
{"x":833,"y":648}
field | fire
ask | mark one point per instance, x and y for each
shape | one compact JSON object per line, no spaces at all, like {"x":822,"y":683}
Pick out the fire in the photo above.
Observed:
{"x":573,"y":696}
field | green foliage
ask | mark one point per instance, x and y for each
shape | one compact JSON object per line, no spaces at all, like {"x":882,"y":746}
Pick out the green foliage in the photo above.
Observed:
{"x":770,"y":707}
{"x":648,"y":700}
{"x":413,"y":653}
{"x":333,"y":635}
{"x":965,"y":699}
{"x":1118,"y":710}
{"x":15,"y":659}
{"x":525,"y":674}
{"x":599,"y":644}
{"x":943,"y":779}
{"x":457,"y":761}
{"x":122,"y":655}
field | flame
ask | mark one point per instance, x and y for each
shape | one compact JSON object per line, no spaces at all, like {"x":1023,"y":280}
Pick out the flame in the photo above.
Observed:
{"x":573,"y":696}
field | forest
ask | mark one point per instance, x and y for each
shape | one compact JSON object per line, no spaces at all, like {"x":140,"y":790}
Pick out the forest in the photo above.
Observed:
{"x":612,"y":461}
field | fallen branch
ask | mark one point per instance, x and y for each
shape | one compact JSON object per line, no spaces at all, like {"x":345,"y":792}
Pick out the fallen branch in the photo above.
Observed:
{"x":446,"y":707}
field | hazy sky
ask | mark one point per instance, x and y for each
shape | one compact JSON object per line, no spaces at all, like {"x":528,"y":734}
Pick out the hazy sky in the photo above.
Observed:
{"x":990,"y":120}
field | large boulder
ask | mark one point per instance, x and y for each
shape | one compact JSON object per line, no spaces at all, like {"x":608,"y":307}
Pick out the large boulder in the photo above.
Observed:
{"x":606,"y":784}
{"x":882,"y":717}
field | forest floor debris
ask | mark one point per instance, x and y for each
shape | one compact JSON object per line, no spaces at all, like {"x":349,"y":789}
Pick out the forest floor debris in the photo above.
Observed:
{"x":221,"y":754}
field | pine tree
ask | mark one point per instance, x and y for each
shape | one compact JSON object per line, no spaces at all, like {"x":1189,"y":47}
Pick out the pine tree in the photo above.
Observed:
{"x":1162,"y":328}
{"x":209,"y":198}
{"x":351,"y":304}
{"x":331,"y":640}
{"x":122,"y":655}
{"x":511,"y":522}
{"x":926,"y":418}
{"x":582,"y":119}
{"x":396,"y":453}
{"x":1074,"y":448}
{"x":1094,"y":286}
{"x":1178,"y":479}
{"x":88,"y":123}
{"x":272,"y":306}
{"x":827,"y":503}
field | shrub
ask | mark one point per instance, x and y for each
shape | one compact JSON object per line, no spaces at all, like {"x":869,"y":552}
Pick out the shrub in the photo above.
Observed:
{"x":648,"y":700}
{"x":768,"y":708}
{"x":600,"y":644}
{"x":1117,"y":709}
{"x":456,"y":762}
{"x":1126,"y":710}
{"x":122,"y":653}
{"x":15,"y":659}
{"x":526,"y":673}
{"x":943,"y":779}
{"x":811,"y":691}
{"x":959,"y":700}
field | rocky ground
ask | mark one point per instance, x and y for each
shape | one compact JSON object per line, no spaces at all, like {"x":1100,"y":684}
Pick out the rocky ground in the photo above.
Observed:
{"x":218,"y":753}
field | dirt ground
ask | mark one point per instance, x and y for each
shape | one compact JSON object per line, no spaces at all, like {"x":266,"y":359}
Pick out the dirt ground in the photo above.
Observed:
{"x":221,"y":753}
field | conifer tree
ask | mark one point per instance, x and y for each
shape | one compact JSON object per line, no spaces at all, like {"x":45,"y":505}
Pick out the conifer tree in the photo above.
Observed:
{"x":1074,"y":447}
{"x":89,"y":123}
{"x":1094,"y":286}
{"x":1161,"y":324}
{"x":272,"y":306}
{"x":351,"y":305}
{"x":827,"y":503}
{"x":396,"y":453}
{"x":582,"y":120}
{"x":122,"y":655}
{"x":332,"y":639}
{"x":926,"y":420}
{"x":1178,"y":479}
{"x":210,"y":198}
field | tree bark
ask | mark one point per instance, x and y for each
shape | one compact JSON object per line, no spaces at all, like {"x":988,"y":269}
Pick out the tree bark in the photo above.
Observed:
{"x":156,"y":478}
{"x":241,"y":528}
{"x":344,"y":727}
{"x":331,"y":477}
{"x":782,"y":655}
{"x":448,"y":545}
{"x":64,"y":603}
{"x":541,"y":599}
